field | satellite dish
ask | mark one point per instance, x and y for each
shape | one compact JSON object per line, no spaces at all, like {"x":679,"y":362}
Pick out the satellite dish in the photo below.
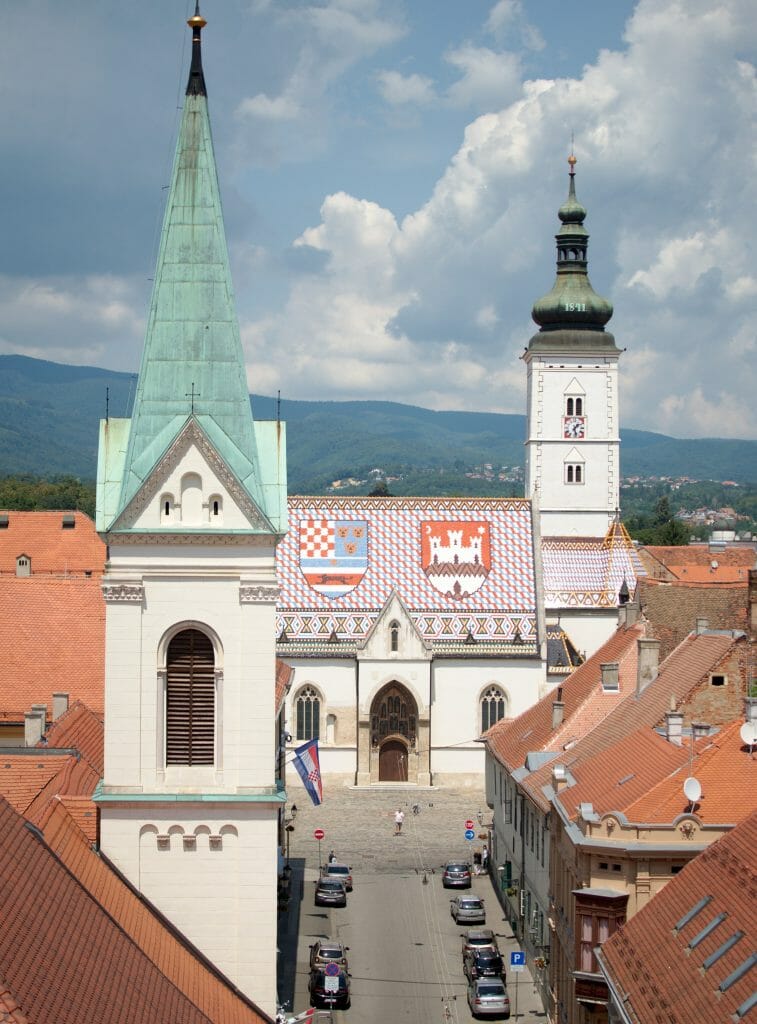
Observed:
{"x":748,"y":733}
{"x":692,"y":789}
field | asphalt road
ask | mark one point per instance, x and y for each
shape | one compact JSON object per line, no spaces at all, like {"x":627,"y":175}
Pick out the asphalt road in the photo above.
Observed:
{"x":405,"y":958}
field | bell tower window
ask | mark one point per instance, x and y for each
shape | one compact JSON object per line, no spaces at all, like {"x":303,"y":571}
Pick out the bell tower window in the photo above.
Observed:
{"x":394,"y":636}
{"x":190,"y":699}
{"x":574,"y":473}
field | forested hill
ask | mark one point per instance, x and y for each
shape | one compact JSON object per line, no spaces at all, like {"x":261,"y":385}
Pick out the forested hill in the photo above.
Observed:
{"x":49,"y":414}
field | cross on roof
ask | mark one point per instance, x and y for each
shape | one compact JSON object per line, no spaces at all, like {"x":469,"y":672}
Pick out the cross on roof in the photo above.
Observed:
{"x":192,"y":394}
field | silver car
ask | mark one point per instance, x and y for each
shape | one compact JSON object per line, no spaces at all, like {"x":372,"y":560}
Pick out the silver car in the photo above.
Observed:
{"x":487,"y":997}
{"x":479,"y":938}
{"x":468,"y":909}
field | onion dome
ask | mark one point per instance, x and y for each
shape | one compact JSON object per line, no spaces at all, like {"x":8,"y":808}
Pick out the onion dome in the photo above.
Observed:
{"x":572,"y":307}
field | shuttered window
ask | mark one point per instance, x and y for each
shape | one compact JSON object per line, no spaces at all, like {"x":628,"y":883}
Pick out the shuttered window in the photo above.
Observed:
{"x":190,"y":700}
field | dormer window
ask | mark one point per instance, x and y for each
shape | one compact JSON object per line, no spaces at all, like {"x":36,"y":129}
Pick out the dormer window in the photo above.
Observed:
{"x":23,"y":565}
{"x":394,"y":636}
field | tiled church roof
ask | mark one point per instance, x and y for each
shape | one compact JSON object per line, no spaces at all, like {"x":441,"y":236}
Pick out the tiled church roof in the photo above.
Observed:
{"x":497,"y":607}
{"x":587,"y":572}
{"x":52,"y":549}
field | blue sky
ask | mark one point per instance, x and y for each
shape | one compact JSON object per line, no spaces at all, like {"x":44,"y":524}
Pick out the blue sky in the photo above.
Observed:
{"x":391,"y":172}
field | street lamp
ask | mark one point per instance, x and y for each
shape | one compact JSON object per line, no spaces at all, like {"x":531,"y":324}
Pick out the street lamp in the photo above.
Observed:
{"x":289,"y":828}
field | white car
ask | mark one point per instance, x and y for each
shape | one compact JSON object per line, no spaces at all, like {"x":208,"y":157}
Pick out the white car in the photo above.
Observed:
{"x":468,"y":909}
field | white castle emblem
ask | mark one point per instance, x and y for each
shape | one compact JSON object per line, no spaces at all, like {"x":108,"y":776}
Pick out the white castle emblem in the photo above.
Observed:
{"x":456,"y":557}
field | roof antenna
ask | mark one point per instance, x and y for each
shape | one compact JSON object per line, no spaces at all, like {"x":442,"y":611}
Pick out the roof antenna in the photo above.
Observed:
{"x":278,"y":406}
{"x":107,"y":402}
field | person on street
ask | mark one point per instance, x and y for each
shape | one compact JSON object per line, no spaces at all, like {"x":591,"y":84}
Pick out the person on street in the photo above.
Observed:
{"x":399,"y":817}
{"x":332,"y":858}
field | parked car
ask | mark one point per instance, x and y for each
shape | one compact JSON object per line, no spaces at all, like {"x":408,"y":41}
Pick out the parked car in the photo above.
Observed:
{"x":468,"y":908}
{"x":483,"y":963}
{"x":487,"y":997}
{"x":326,"y":951}
{"x":330,"y":892}
{"x":479,"y":938}
{"x":329,"y":990}
{"x":456,"y":875}
{"x":340,"y":871}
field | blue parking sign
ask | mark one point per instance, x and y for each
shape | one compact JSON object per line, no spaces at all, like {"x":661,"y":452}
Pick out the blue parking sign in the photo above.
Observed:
{"x":517,"y":960}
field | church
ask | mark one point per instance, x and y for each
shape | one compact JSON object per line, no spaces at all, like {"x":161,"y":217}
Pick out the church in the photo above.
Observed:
{"x":411,"y":625}
{"x":414,"y":624}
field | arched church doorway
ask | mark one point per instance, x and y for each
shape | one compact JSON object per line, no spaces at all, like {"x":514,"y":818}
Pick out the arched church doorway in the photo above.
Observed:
{"x":393,"y":761}
{"x":394,"y":726}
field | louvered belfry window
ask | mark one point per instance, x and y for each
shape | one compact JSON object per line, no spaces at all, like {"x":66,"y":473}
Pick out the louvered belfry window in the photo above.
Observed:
{"x":190,"y":700}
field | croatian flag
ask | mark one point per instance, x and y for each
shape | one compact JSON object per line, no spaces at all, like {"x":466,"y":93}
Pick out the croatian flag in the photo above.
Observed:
{"x":309,"y":769}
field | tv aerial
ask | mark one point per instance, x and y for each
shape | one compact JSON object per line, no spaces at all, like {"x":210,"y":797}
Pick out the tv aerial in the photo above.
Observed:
{"x":692,"y":790}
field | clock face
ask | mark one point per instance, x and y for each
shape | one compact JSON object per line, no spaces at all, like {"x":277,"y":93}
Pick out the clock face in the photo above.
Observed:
{"x":574,"y":426}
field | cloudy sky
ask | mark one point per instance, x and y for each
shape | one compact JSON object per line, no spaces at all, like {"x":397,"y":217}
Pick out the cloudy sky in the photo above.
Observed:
{"x":391,"y":172}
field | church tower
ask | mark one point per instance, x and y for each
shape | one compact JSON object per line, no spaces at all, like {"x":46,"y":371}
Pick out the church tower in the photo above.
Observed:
{"x":573,"y":432}
{"x":191,"y":501}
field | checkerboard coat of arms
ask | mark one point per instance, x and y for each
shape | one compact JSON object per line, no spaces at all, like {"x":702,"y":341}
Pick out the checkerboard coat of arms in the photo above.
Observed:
{"x":456,"y":556}
{"x":333,"y":554}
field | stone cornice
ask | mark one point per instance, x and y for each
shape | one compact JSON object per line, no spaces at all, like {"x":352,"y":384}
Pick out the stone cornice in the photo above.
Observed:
{"x":123,"y":593}
{"x":258,"y":593}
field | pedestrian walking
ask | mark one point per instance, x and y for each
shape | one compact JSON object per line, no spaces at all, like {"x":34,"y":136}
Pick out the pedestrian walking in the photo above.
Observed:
{"x":399,"y":817}
{"x":332,"y":858}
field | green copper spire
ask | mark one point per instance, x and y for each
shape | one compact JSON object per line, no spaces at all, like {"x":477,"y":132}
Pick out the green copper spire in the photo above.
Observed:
{"x":572,"y":307}
{"x":192,"y":364}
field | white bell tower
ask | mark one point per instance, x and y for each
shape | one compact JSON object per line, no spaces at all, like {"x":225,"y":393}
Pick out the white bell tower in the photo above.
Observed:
{"x":573,"y":430}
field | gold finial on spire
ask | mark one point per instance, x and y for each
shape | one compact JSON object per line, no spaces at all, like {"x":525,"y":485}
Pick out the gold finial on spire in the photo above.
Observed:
{"x":197,"y":20}
{"x":571,"y":158}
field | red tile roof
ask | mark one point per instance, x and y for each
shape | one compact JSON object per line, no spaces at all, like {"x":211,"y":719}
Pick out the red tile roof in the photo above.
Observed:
{"x":510,"y":740}
{"x":79,"y":729}
{"x":728,"y":564}
{"x":52,"y":635}
{"x":650,"y":960}
{"x":686,"y":668}
{"x":727,"y":773}
{"x":166,"y":950}
{"x":65,"y":959}
{"x":51,"y":548}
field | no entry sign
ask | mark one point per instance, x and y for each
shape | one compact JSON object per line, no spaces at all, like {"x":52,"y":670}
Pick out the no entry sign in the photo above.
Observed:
{"x":319,"y":834}
{"x":469,"y":823}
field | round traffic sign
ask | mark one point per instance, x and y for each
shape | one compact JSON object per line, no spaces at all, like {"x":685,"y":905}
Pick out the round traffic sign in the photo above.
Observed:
{"x":319,"y":834}
{"x":331,"y":970}
{"x":469,"y":823}
{"x":470,"y":834}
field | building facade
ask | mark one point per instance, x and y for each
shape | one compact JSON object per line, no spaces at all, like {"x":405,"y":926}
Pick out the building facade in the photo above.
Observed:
{"x":191,"y":501}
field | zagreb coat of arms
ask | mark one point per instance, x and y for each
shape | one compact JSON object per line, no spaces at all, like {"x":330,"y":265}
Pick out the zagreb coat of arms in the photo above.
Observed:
{"x":456,"y":556}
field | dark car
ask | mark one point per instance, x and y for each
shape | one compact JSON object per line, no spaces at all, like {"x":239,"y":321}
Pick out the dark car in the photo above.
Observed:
{"x":329,"y":990}
{"x":330,"y":892}
{"x":483,"y":963}
{"x":326,"y":951}
{"x":457,"y":875}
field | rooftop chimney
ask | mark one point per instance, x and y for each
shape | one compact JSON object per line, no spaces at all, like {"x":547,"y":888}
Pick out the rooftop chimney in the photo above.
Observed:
{"x":699,"y":729}
{"x":558,"y":707}
{"x":41,"y":709}
{"x":34,"y":726}
{"x":649,"y":663}
{"x":622,"y":616}
{"x":610,"y":676}
{"x":559,"y":777}
{"x":702,"y":626}
{"x":674,"y":724}
{"x":750,"y":709}
{"x":60,"y":705}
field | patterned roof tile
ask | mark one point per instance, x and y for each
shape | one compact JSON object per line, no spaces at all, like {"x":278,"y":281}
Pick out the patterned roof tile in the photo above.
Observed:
{"x":468,"y":561}
{"x":587,"y":572}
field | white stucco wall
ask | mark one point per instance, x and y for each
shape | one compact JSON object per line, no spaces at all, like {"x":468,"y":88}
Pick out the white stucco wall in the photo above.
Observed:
{"x":220,"y":892}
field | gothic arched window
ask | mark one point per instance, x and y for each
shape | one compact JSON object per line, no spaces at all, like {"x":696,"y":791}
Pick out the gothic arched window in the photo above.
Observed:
{"x":394,"y":634}
{"x":190,"y":699}
{"x":308,"y":714}
{"x":493,"y":706}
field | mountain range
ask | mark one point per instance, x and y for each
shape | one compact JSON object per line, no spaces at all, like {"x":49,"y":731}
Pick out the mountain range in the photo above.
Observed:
{"x":49,"y":415}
